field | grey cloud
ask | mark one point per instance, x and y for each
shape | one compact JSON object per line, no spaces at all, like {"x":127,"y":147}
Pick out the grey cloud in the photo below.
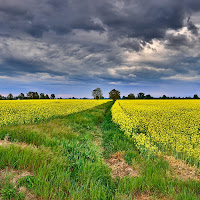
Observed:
{"x":74,"y":60}
{"x":37,"y":30}
{"x":178,"y":41}
{"x":132,"y":45}
{"x":121,"y":19}
{"x":193,"y":5}
{"x":143,"y":19}
{"x":192,"y":27}
{"x":14,"y":67}
{"x":82,"y":39}
{"x":12,"y":10}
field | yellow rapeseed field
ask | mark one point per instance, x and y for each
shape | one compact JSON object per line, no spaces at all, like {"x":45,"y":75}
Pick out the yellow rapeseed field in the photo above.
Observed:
{"x":28,"y":111}
{"x":171,"y":126}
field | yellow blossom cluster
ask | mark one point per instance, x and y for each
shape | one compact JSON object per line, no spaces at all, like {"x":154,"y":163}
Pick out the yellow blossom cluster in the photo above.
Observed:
{"x":28,"y":111}
{"x":161,"y":125}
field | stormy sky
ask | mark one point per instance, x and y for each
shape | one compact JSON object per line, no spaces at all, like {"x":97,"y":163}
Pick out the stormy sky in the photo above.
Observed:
{"x":70,"y":47}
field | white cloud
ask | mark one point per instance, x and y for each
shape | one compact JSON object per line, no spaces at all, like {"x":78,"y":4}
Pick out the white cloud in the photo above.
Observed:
{"x":190,"y":77}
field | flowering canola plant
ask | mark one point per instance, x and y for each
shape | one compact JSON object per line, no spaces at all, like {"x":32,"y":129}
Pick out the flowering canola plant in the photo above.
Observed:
{"x":172,"y":126}
{"x":29,"y":111}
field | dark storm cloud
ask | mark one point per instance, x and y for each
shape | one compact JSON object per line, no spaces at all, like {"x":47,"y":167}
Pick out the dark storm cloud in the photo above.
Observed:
{"x":142,"y":19}
{"x":13,"y":10}
{"x":13,"y":66}
{"x":135,"y":19}
{"x":132,"y":45}
{"x":83,"y":40}
{"x":192,"y":27}
{"x":37,"y":30}
{"x":178,"y":41}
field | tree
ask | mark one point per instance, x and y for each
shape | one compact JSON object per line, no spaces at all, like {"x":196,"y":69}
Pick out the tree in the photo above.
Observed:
{"x":36,"y":95}
{"x":32,"y":95}
{"x":97,"y":93}
{"x":164,"y":97}
{"x":10,"y":97}
{"x":131,"y":96}
{"x":21,"y":96}
{"x":42,"y":96}
{"x":195,"y":96}
{"x":53,"y":96}
{"x":114,"y":94}
{"x":148,"y":96}
{"x":47,"y":96}
{"x":141,"y":95}
{"x":1,"y":97}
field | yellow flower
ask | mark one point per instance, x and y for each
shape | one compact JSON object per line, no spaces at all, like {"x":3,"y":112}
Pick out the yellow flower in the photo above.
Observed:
{"x":29,"y":111}
{"x":161,"y":125}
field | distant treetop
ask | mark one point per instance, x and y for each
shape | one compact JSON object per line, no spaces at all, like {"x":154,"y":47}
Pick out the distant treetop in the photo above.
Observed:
{"x":114,"y":94}
{"x":97,"y":93}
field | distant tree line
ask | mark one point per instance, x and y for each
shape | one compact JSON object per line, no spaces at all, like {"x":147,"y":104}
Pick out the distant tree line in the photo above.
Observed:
{"x":96,"y":93}
{"x":29,"y":95}
{"x":115,"y":94}
{"x":141,"y":95}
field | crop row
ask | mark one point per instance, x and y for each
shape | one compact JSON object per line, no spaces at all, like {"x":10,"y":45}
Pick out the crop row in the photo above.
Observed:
{"x":30,"y":111}
{"x":171,"y":126}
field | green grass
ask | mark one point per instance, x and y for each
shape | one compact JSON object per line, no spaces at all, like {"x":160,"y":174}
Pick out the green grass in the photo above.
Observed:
{"x":155,"y":177}
{"x":66,"y":165}
{"x":8,"y":189}
{"x":67,"y":161}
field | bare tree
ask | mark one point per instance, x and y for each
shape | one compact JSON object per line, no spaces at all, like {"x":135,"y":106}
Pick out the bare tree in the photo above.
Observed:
{"x":97,"y":93}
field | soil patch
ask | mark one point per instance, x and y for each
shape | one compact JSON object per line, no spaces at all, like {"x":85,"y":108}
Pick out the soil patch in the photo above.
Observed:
{"x":4,"y":142}
{"x":147,"y":196}
{"x":15,"y":176}
{"x":182,"y":170}
{"x":28,"y":195}
{"x":19,"y":175}
{"x":119,"y":166}
{"x":142,"y":197}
